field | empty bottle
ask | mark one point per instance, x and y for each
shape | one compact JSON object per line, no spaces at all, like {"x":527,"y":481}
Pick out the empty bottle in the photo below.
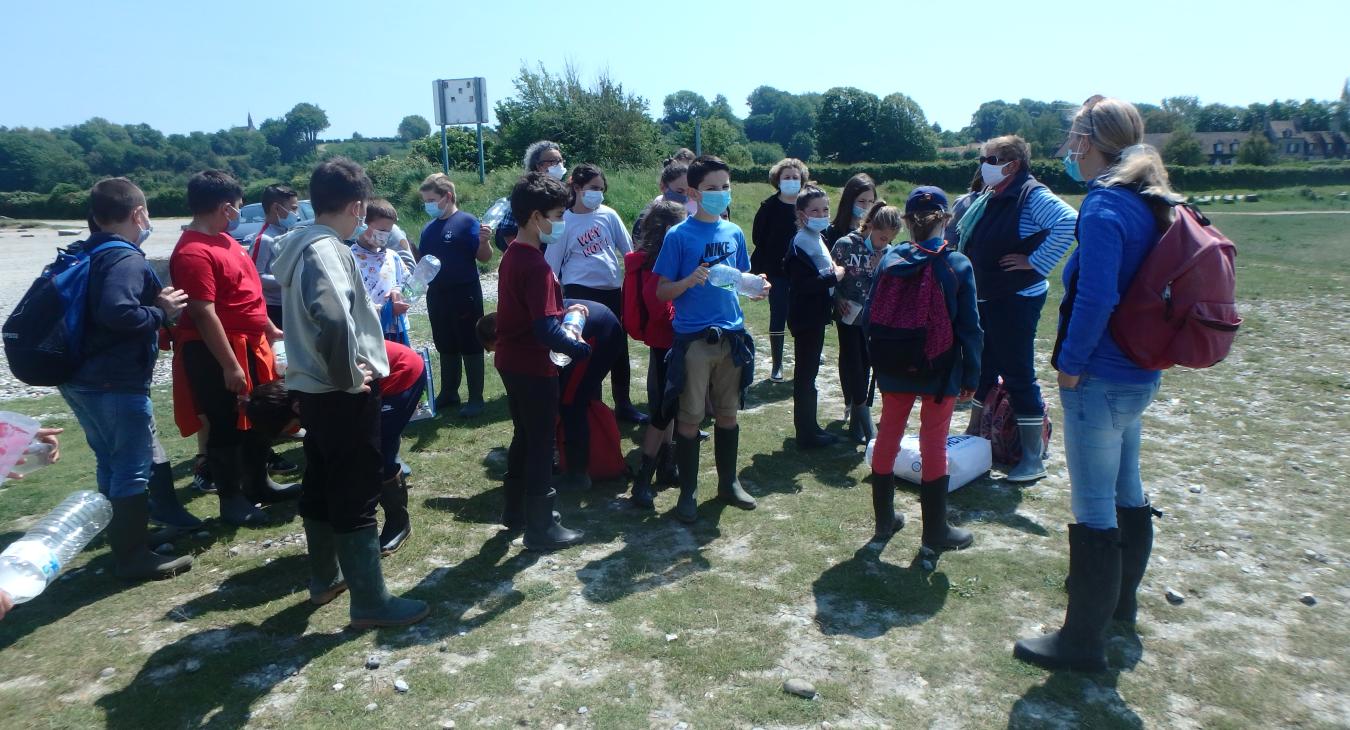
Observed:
{"x":33,"y":561}
{"x":573,"y":323}
{"x":37,"y":455}
{"x":279,"y":356}
{"x":496,"y":213}
{"x":733,"y":279}
{"x":16,"y":434}
{"x":422,"y":275}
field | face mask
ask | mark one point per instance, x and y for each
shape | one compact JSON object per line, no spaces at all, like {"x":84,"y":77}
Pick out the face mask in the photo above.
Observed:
{"x":715,"y":202}
{"x":232,"y":223}
{"x":557,"y":172}
{"x":592,"y":198}
{"x":381,"y":238}
{"x":675,"y":197}
{"x":1071,"y":167}
{"x":817,"y":224}
{"x":145,"y":233}
{"x":859,"y":211}
{"x":555,"y":234}
{"x":432,"y":208}
{"x":360,"y":227}
{"x":869,"y":243}
{"x":991,"y":174}
{"x":789,"y":187}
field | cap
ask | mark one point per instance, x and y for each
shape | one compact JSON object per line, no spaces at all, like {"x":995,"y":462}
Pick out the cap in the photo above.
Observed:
{"x":925,"y":198}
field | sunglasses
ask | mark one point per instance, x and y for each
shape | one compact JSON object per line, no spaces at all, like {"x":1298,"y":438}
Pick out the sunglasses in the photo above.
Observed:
{"x":992,"y":160}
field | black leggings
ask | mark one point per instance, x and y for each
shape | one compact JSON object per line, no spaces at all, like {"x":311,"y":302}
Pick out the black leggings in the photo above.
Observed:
{"x":343,"y":464}
{"x":533,"y":402}
{"x":855,"y":367}
{"x":612,"y":298}
{"x":807,"y":344}
{"x":656,"y":388}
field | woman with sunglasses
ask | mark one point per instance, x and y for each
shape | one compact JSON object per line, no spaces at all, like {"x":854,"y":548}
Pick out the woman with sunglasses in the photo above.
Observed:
{"x":1104,"y":394}
{"x":1014,"y":233}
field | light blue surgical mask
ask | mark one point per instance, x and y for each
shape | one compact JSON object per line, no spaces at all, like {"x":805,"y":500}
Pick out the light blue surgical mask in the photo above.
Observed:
{"x":232,"y":223}
{"x":592,"y":198}
{"x":789,"y":187}
{"x":356,"y":232}
{"x":859,"y":211}
{"x":432,"y":208}
{"x":555,"y":234}
{"x":1071,"y":166}
{"x":145,"y":233}
{"x":291,"y":220}
{"x":716,"y":202}
{"x":818,"y":224}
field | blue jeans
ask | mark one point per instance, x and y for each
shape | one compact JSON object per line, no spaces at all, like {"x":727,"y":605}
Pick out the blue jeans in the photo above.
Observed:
{"x":1102,"y":425}
{"x":1009,"y":325}
{"x":395,"y":412}
{"x":119,"y":429}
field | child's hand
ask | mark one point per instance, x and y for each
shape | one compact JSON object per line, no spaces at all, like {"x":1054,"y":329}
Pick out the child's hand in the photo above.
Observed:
{"x":765,"y":294}
{"x":697,"y":277}
{"x":578,"y":308}
{"x":368,"y":376}
{"x":400,"y":306}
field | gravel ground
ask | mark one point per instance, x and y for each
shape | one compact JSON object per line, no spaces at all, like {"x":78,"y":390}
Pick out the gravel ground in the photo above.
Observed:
{"x":28,"y":250}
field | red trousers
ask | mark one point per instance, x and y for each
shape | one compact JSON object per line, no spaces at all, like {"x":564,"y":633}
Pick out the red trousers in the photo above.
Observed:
{"x":935,"y":420}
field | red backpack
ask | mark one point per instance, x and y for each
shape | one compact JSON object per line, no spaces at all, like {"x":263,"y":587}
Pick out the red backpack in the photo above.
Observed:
{"x":1180,"y":308}
{"x":998,"y":423}
{"x":606,"y":451}
{"x":909,"y":331}
{"x":634,"y":307}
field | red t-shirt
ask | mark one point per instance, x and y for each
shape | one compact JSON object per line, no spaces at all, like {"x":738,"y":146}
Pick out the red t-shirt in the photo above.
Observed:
{"x":217,"y":269}
{"x":527,"y":291}
{"x":405,"y":369}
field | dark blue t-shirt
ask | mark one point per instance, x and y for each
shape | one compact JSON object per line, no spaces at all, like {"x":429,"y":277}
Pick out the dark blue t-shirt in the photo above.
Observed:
{"x":605,"y":334}
{"x":454,"y":241}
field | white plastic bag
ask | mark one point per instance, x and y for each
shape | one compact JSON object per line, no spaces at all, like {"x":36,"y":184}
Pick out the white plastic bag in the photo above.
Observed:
{"x":968,"y":458}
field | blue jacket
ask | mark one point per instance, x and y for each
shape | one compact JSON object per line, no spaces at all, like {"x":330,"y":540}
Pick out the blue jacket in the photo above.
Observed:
{"x":121,"y":327}
{"x":957,"y":279}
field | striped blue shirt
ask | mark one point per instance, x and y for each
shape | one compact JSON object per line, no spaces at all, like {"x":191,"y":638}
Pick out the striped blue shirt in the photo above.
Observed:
{"x":1045,"y":211}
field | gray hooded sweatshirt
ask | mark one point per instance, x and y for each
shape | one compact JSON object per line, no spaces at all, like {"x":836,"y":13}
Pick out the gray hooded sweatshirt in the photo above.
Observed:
{"x":329,"y":322}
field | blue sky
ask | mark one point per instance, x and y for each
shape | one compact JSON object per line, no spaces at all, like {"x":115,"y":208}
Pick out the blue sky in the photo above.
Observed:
{"x":182,"y":66}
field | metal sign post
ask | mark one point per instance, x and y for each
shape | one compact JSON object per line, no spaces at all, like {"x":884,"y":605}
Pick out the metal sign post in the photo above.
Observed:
{"x":460,"y":101}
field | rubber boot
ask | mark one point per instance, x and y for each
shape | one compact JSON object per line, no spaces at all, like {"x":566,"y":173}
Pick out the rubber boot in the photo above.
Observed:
{"x":358,"y":556}
{"x":576,"y":478}
{"x":397,"y":526}
{"x":544,"y":533}
{"x":864,"y":414}
{"x":686,"y":456}
{"x":1094,"y":587}
{"x":1136,"y":545}
{"x":776,"y":349}
{"x":937,"y":534}
{"x":257,"y":483}
{"x":473,"y":374}
{"x":325,"y":577}
{"x":859,"y":423}
{"x":235,"y":508}
{"x":888,"y":520}
{"x":643,"y":495}
{"x":165,"y":510}
{"x":449,"y":382}
{"x":513,"y":512}
{"x":809,"y":433}
{"x":726,"y":446}
{"x":128,"y":536}
{"x":976,"y":414}
{"x":1032,"y":466}
{"x":667,"y":467}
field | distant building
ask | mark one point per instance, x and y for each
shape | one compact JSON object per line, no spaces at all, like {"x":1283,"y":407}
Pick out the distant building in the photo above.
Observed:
{"x":1290,"y":142}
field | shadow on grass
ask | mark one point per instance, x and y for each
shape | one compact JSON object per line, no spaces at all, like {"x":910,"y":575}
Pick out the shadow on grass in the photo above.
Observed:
{"x":1068,"y":691}
{"x":765,"y":392}
{"x":781,"y":471}
{"x":866,"y":597}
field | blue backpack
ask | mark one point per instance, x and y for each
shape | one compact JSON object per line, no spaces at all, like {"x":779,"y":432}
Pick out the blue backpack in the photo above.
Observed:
{"x":45,"y":333}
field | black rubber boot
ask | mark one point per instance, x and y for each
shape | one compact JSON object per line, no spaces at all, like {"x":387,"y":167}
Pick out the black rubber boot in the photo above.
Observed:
{"x":397,"y":526}
{"x":888,"y":520}
{"x":165,"y":509}
{"x":643,"y":495}
{"x":325,"y":576}
{"x":809,"y":433}
{"x":667,"y":469}
{"x":513,"y":511}
{"x":726,"y":447}
{"x":686,"y":457}
{"x":449,"y":384}
{"x":859,"y":419}
{"x":937,"y":534}
{"x":235,"y":508}
{"x":359,"y":557}
{"x":776,"y":350}
{"x":128,"y":535}
{"x":1136,"y":545}
{"x":576,"y":478}
{"x":257,"y":483}
{"x":473,"y":375}
{"x":544,"y":533}
{"x":1094,"y":587}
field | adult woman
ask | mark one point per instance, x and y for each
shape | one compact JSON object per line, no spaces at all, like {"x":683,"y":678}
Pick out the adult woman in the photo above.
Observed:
{"x":812,"y":275}
{"x":775,"y":225}
{"x":1015,"y":233}
{"x":542,"y":156}
{"x":859,"y":252}
{"x":1104,"y":394}
{"x":587,"y":262}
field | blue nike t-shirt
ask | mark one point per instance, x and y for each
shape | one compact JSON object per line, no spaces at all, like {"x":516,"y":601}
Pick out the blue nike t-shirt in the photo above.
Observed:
{"x":688,"y":246}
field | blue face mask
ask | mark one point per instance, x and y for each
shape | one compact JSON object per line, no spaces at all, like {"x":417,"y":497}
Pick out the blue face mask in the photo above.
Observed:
{"x":555,"y":234}
{"x":715,"y":202}
{"x":1071,"y":167}
{"x":145,"y":233}
{"x":360,"y":228}
{"x":859,"y":211}
{"x":817,"y":224}
{"x":232,"y":223}
{"x":432,"y":208}
{"x":291,"y":220}
{"x":789,"y":187}
{"x":592,"y":198}
{"x":676,"y":197}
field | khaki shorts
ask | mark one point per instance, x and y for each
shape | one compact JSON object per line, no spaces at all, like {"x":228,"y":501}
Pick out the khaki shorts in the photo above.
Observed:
{"x":709,"y":370}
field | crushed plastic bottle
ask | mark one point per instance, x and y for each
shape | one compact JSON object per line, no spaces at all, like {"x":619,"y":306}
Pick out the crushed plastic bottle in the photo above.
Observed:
{"x":494,"y":215}
{"x":33,"y":561}
{"x":733,"y":279}
{"x":422,"y":275}
{"x":573,"y":323}
{"x":279,"y":356}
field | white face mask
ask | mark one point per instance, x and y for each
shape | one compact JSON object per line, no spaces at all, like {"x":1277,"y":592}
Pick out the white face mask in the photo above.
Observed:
{"x":557,"y":172}
{"x":789,"y":187}
{"x":381,"y":238}
{"x":992,"y":174}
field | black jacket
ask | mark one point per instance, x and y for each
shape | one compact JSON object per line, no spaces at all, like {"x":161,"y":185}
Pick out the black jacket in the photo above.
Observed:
{"x":121,"y":326}
{"x":775,"y":225}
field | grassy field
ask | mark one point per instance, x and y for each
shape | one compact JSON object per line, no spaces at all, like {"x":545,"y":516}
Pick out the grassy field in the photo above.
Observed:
{"x":652,"y":624}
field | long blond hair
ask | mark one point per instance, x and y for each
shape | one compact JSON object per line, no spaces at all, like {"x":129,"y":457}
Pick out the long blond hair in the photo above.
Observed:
{"x":1115,"y":127}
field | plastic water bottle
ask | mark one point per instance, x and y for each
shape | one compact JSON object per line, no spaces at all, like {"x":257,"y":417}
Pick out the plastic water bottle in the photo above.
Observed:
{"x":573,"y":323}
{"x":496,"y":213}
{"x":733,"y":279}
{"x":37,"y":455}
{"x":16,"y":434}
{"x":422,"y":275}
{"x":32,"y":562}
{"x":279,"y":356}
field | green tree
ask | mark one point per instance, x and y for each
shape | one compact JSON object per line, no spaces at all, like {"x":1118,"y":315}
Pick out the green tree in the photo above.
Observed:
{"x":1046,"y":133}
{"x":847,"y":125}
{"x":759,"y":127}
{"x":902,"y":131}
{"x":765,"y":153}
{"x":37,"y":160}
{"x":765,"y":100}
{"x":413,"y":127}
{"x":307,"y":120}
{"x":1183,"y":109}
{"x":1182,"y":148}
{"x":285,"y":138}
{"x":794,"y":115}
{"x":1219,"y":118}
{"x":682,"y":106}
{"x":802,"y":146}
{"x":1256,"y":150}
{"x":997,"y":118}
{"x":1341,"y":119}
{"x":599,"y":123}
{"x":721,"y":108}
{"x":719,"y":136}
